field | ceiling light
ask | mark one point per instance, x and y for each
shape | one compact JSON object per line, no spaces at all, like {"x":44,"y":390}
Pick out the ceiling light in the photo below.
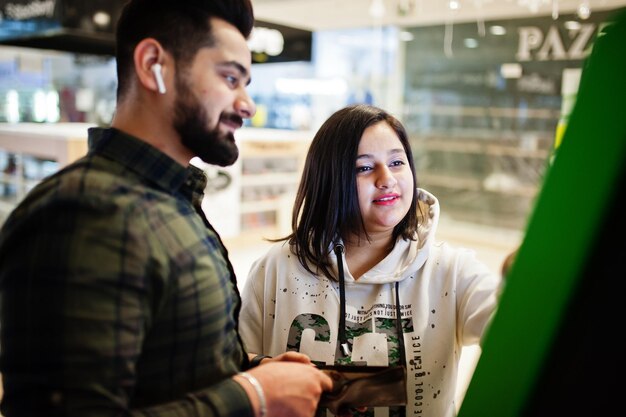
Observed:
{"x":53,"y":113}
{"x":572,"y":25}
{"x":497,"y":30}
{"x":533,"y":5}
{"x":39,"y":106}
{"x":405,"y":7}
{"x":311,"y":86}
{"x":512,"y":70}
{"x":555,"y":9}
{"x":101,"y":19}
{"x":584,"y":11}
{"x":470,"y":43}
{"x":12,"y":107}
{"x":406,"y":36}
{"x":377,"y":9}
{"x":266,"y":41}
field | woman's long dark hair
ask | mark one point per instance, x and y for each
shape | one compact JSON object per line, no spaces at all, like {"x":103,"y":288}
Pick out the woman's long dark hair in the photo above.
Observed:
{"x":327,"y":205}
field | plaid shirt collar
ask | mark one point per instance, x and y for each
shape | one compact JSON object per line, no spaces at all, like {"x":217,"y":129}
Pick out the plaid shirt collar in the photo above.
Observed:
{"x":148,"y":162}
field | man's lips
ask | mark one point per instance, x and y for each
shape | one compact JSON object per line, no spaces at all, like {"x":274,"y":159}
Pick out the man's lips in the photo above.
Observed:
{"x":232,"y":122}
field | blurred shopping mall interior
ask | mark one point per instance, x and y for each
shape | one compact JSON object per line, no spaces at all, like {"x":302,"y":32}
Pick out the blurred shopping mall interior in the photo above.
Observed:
{"x":484,"y":89}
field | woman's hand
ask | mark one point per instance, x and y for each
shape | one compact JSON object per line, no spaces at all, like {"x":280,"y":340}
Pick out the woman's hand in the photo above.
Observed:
{"x":283,"y":357}
{"x":290,"y":357}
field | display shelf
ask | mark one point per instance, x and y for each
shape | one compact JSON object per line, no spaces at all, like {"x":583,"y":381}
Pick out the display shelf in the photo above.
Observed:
{"x":478,"y":185}
{"x":260,"y":206}
{"x":511,"y":165}
{"x":60,"y":142}
{"x":478,"y":147}
{"x":275,"y":178}
{"x":32,"y":151}
{"x":482,"y":111}
{"x":259,"y":197}
{"x":271,"y":163}
{"x":255,"y":193}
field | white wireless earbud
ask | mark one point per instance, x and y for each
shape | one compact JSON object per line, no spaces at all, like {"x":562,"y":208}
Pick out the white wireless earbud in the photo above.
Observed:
{"x":156,"y":70}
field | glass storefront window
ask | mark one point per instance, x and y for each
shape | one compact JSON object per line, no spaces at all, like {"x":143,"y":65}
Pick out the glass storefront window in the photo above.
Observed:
{"x":482,"y":109}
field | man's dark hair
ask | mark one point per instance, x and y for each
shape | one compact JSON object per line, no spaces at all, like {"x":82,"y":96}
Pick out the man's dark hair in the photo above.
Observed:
{"x":181,"y":26}
{"x":327,"y":203}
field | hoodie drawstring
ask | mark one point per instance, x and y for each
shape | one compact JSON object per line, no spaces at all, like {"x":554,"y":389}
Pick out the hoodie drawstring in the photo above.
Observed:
{"x":343,"y":339}
{"x":399,"y":328}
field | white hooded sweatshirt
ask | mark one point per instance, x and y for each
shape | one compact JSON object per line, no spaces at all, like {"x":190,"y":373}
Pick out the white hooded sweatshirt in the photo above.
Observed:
{"x":447,"y":298}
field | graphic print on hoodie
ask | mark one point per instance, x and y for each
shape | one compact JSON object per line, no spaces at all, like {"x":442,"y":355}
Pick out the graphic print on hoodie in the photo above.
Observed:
{"x":447,"y":298}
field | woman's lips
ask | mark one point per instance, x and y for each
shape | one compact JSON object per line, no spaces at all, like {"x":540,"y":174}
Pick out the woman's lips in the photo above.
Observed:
{"x":387,"y":199}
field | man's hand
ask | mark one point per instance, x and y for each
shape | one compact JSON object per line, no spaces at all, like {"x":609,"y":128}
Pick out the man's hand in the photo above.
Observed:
{"x":292,"y":385}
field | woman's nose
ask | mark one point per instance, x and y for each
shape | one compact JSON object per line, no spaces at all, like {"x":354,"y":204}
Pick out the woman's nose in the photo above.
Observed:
{"x":385,"y":179}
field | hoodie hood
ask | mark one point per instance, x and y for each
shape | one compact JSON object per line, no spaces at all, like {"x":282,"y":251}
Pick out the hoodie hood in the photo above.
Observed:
{"x":407,"y":254}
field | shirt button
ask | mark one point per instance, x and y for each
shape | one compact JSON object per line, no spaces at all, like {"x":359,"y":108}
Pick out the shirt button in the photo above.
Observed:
{"x":56,"y":398}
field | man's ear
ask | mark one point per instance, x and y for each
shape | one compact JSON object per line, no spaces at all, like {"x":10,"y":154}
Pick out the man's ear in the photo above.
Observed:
{"x":151,"y":65}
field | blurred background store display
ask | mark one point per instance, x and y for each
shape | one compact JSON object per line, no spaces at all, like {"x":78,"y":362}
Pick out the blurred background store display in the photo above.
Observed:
{"x":481,"y":86}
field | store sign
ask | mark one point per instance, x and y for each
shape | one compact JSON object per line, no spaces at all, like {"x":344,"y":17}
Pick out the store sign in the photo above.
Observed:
{"x":276,"y":43}
{"x":24,"y":10}
{"x":525,"y":55}
{"x":66,"y":25}
{"x":266,"y":41}
{"x":537,"y":45}
{"x":23,"y":16}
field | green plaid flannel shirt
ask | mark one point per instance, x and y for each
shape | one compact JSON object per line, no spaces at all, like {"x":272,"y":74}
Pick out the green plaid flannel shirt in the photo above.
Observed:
{"x":117,"y":296}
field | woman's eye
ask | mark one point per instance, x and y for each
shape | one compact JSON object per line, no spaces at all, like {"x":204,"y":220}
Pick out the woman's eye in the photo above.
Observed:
{"x":363,"y":169}
{"x":397,"y":163}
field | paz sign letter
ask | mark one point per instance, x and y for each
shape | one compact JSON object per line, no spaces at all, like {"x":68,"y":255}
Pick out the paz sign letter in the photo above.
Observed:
{"x":534,"y":45}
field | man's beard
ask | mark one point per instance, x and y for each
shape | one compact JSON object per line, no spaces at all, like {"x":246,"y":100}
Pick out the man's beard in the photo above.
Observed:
{"x":191,"y":121}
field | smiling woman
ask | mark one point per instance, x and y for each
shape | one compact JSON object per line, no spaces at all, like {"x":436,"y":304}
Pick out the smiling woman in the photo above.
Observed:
{"x":361,"y":279}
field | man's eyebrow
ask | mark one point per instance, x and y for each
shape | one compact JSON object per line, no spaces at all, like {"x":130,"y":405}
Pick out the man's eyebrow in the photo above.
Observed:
{"x":242,"y":70}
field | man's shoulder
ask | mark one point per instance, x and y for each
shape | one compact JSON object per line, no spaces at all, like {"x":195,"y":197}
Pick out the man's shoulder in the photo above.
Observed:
{"x":80,"y":179}
{"x":87,"y":183}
